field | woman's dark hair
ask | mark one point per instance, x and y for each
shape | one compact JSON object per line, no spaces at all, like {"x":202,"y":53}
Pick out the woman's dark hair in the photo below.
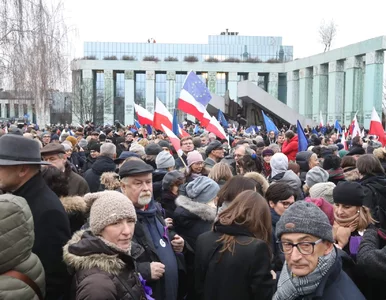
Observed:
{"x":279,"y":191}
{"x":251,"y":211}
{"x":289,"y":134}
{"x":251,"y":163}
{"x":348,"y":162}
{"x":56,"y":180}
{"x":294,"y":167}
{"x":368,"y":164}
{"x":233,"y":187}
{"x":331,"y":162}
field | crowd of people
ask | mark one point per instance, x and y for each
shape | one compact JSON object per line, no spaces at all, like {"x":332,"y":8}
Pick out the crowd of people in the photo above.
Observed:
{"x":116,"y":213}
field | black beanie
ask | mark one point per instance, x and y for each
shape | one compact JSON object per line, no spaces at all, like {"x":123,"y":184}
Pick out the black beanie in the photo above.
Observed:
{"x":349,"y":193}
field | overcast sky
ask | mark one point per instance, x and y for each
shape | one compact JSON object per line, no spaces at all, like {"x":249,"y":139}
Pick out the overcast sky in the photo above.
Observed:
{"x":181,"y":21}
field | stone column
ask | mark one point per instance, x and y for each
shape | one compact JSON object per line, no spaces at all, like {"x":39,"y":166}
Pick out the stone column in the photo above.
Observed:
{"x":273,"y":84}
{"x":150,"y":91}
{"x":293,"y":90}
{"x":253,"y":77}
{"x":21,"y":110}
{"x":85,"y":97}
{"x":129,"y":97}
{"x":29,"y":111}
{"x":319,"y":93}
{"x":3,"y":110}
{"x":373,"y":86}
{"x":171,"y":91}
{"x":305,"y":92}
{"x":11,"y":109}
{"x":353,"y":96}
{"x":212,"y":79}
{"x":232,"y":85}
{"x":261,"y":82}
{"x":335,"y":92}
{"x":108,"y":103}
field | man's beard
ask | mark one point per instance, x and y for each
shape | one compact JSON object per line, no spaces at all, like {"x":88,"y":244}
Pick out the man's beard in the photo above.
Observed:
{"x":144,"y":199}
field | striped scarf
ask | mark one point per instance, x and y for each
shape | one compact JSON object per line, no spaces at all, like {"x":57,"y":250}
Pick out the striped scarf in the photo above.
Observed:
{"x":291,"y":287}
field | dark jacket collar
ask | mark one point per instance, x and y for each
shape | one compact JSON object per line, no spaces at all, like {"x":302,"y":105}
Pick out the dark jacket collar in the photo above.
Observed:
{"x":36,"y":182}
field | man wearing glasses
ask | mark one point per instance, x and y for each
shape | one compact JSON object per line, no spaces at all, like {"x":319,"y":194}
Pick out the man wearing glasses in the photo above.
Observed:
{"x":313,"y":267}
{"x":186,"y":146}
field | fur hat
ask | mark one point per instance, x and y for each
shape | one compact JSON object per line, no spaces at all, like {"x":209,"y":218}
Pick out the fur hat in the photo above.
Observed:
{"x":305,"y":217}
{"x":72,"y":140}
{"x":323,"y":190}
{"x":193,"y":157}
{"x":108,"y":207}
{"x":316,"y":175}
{"x":164,"y":160}
{"x":202,"y":189}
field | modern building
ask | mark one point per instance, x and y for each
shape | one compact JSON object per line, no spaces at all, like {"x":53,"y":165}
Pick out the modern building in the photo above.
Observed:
{"x":250,"y":72}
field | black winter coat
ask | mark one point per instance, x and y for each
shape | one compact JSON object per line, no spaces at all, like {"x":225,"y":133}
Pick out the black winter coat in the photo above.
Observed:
{"x":52,"y":232}
{"x":102,"y":272}
{"x":192,"y":219}
{"x":93,"y":175}
{"x":244,"y":275}
{"x":168,"y":203}
{"x":158,"y":176}
{"x":375,"y":192}
{"x":88,"y":163}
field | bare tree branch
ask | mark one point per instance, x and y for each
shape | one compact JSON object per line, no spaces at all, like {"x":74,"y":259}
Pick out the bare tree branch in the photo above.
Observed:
{"x":327,"y":33}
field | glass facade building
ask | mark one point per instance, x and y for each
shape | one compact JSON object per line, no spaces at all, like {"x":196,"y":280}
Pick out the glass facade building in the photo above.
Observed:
{"x":219,"y":47}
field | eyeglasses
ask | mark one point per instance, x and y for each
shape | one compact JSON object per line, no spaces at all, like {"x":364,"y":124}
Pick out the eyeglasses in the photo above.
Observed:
{"x":185,"y":144}
{"x":286,"y":204}
{"x":306,"y":248}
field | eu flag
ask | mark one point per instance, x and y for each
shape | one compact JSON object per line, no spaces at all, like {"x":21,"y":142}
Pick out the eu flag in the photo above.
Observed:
{"x":221,"y":119}
{"x":194,"y":86}
{"x":302,"y":140}
{"x":136,"y":123}
{"x":269,"y":125}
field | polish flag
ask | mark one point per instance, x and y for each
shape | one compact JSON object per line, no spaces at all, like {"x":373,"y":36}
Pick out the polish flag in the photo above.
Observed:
{"x":343,"y":140}
{"x":183,"y":133}
{"x":144,"y":117}
{"x":162,"y":116}
{"x":215,"y":127}
{"x":205,"y":120}
{"x":173,"y":139}
{"x":354,"y":127}
{"x":321,"y":120}
{"x":376,"y":127}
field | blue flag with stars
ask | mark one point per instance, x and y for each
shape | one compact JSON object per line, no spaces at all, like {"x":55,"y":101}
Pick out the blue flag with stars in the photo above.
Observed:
{"x":302,"y":140}
{"x":194,"y":86}
{"x":136,"y":123}
{"x":269,"y":125}
{"x":337,"y":127}
{"x":221,"y":119}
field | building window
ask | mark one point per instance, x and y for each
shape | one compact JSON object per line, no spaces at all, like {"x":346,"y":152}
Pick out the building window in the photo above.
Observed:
{"x":119,"y":99}
{"x":242,"y":76}
{"x":100,"y":97}
{"x":140,"y":89}
{"x":221,"y":84}
{"x":204,"y":77}
{"x":180,"y":78}
{"x":160,"y":87}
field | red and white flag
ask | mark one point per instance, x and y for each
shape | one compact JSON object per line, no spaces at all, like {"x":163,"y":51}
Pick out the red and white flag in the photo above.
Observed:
{"x":215,"y":127}
{"x":144,"y":117}
{"x":354,"y":127}
{"x":162,"y":116}
{"x":376,"y":127}
{"x":173,"y":139}
{"x":321,"y":124}
{"x":343,"y":140}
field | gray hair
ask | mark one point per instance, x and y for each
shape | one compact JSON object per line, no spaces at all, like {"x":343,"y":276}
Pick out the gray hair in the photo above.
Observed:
{"x":108,"y":149}
{"x":248,"y":150}
{"x":274,"y":147}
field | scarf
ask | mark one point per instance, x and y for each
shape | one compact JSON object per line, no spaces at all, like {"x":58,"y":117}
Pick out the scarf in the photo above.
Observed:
{"x":267,"y":169}
{"x":337,"y":174}
{"x":291,"y":287}
{"x":343,"y":228}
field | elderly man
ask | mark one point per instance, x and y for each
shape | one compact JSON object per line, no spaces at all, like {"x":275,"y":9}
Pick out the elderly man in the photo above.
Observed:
{"x":20,"y":175}
{"x":158,"y":265}
{"x":313,"y":268}
{"x":214,"y":152}
{"x":56,"y":155}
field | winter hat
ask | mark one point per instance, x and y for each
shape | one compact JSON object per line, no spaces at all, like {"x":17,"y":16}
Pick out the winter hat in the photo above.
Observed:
{"x":349,"y":193}
{"x":153,"y":149}
{"x":340,"y":146}
{"x":66,"y":146}
{"x":323,"y":190}
{"x":202,"y":189}
{"x":267,"y":152}
{"x":107,"y":208}
{"x":302,"y":159}
{"x":95,"y":147}
{"x":305,"y":217}
{"x":193,"y":157}
{"x":326,"y":207}
{"x":137,"y":148}
{"x":279,"y":164}
{"x":164,"y":160}
{"x":82,"y":143}
{"x":164,"y":144}
{"x":72,"y":140}
{"x":171,"y":177}
{"x":55,"y":137}
{"x":316,"y":175}
{"x":342,"y":153}
{"x":124,"y":155}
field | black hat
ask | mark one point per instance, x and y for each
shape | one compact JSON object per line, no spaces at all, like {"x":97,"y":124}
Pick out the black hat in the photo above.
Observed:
{"x":349,"y":193}
{"x":213,"y":146}
{"x":95,"y":133}
{"x":52,"y":148}
{"x":164,"y":144}
{"x":153,"y":149}
{"x":94,"y":147}
{"x":134,"y":167}
{"x":18,"y":150}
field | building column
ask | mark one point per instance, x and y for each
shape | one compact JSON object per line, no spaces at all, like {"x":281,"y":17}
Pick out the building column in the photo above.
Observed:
{"x":11,"y":109}
{"x":29,"y":111}
{"x":21,"y":110}
{"x":305,"y":92}
{"x":253,"y":77}
{"x":373,"y":86}
{"x":273,"y":84}
{"x":3,"y":109}
{"x":150,"y":91}
{"x":232,"y":85}
{"x":335,"y":92}
{"x":108,"y":103}
{"x":353,"y":96}
{"x":212,"y":78}
{"x":83,"y":104}
{"x":319,"y":93}
{"x":293,"y":90}
{"x":171,"y":91}
{"x":129,"y":97}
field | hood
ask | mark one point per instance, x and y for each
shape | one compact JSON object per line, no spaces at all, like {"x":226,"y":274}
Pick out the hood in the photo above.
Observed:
{"x":352,"y":175}
{"x":292,"y":179}
{"x":203,"y":211}
{"x":103,"y":164}
{"x":16,"y":231}
{"x":260,"y":179}
{"x":159,"y":174}
{"x":110,"y":181}
{"x":302,"y":158}
{"x":74,"y":204}
{"x":377,"y":182}
{"x":85,"y":251}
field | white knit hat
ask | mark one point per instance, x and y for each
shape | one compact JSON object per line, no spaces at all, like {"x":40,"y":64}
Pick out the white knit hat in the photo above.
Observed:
{"x":323,"y":190}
